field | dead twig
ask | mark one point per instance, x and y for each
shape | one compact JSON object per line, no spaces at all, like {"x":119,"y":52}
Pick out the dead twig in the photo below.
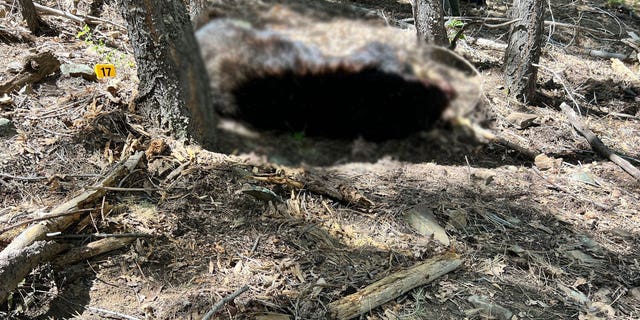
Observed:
{"x":76,"y":18}
{"x":223,"y":301}
{"x":596,"y":144}
{"x":453,"y":43}
{"x":123,"y":189}
{"x":112,"y":314}
{"x":101,"y":235}
{"x":486,"y":134}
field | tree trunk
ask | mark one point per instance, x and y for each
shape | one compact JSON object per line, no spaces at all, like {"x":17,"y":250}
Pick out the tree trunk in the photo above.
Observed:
{"x":28,"y":11}
{"x":174,"y":86}
{"x":429,"y":21}
{"x":523,"y":50}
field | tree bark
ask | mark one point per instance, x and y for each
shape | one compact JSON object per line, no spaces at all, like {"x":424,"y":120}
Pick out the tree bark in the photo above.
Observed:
{"x":174,"y":85}
{"x":429,"y":21}
{"x":523,"y":50}
{"x":196,"y":7}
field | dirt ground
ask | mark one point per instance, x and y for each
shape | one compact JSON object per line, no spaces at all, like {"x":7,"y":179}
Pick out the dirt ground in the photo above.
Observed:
{"x":539,"y":240}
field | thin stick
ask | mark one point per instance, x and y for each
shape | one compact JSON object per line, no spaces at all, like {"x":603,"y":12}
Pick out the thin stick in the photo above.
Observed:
{"x":486,"y":134}
{"x":76,"y":18}
{"x":112,"y":313}
{"x":123,"y":189}
{"x":596,"y":144}
{"x":102,"y":235}
{"x":5,"y":175}
{"x":19,"y":224}
{"x":255,"y":245}
{"x":224,"y":300}
{"x":564,"y":85}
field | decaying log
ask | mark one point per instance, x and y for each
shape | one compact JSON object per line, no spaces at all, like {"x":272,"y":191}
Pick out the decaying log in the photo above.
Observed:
{"x":17,"y":263}
{"x":393,"y":286}
{"x":321,"y":183}
{"x":327,"y":184}
{"x":597,"y":144}
{"x":39,"y":231}
{"x":36,"y":67}
{"x":91,"y":249}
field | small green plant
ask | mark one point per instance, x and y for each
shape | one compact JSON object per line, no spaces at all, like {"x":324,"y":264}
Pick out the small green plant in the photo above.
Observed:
{"x":298,"y":136}
{"x":420,"y":306}
{"x":107,"y":54}
{"x":614,"y":3}
{"x":454,"y":25}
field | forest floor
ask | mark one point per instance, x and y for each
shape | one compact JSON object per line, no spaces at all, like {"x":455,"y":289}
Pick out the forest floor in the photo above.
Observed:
{"x":544,"y":238}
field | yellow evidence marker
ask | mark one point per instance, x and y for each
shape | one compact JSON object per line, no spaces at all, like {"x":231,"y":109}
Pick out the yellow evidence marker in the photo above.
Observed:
{"x":105,"y":70}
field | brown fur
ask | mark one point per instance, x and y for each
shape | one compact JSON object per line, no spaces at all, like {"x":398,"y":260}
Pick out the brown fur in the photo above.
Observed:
{"x":333,"y":77}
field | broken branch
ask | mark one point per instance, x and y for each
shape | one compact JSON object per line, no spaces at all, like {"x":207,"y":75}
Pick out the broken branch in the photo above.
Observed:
{"x":596,"y":144}
{"x":392,"y":286}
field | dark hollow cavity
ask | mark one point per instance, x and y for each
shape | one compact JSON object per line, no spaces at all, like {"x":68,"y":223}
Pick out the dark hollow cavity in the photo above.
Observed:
{"x":340,"y":104}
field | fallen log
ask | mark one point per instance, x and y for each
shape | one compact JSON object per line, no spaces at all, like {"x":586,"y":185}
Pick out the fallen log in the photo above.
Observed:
{"x":36,"y":67}
{"x":393,"y":286}
{"x":39,"y":231}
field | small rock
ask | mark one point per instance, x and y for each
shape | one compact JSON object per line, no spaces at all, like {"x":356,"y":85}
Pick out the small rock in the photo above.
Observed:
{"x":458,"y":219}
{"x":421,"y":218}
{"x":585,"y":177}
{"x":6,"y":127}
{"x":261,"y":193}
{"x":582,"y":257}
{"x":544,"y":162}
{"x":574,"y":295}
{"x":78,"y":70}
{"x":489,"y":309}
{"x":5,"y":99}
{"x":635,"y":293}
{"x":14,"y":67}
{"x":521,"y":120}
